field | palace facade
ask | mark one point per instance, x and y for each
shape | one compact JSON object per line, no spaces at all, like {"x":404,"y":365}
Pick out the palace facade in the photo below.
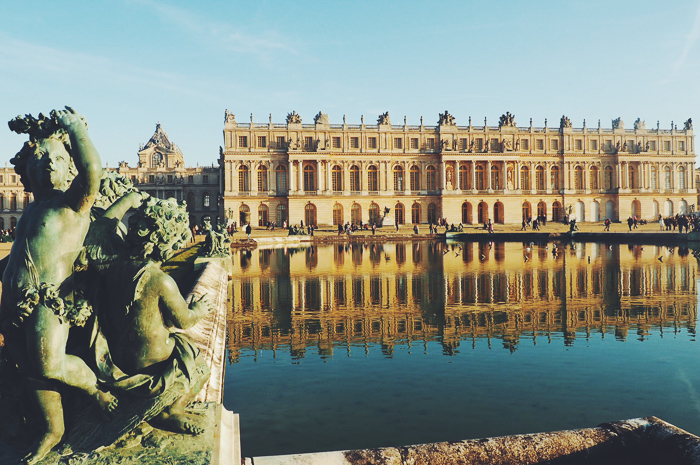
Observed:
{"x":329,"y":174}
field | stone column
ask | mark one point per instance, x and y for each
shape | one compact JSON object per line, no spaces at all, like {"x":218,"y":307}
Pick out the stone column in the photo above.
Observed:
{"x":300,"y":176}
{"x":272,"y":179}
{"x":254,"y":178}
{"x":488,"y":175}
{"x":290,"y":176}
{"x":443,"y":179}
{"x":473,"y":175}
{"x":457,"y":177}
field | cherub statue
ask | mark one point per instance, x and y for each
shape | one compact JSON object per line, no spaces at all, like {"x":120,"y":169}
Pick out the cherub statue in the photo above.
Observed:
{"x":41,"y":299}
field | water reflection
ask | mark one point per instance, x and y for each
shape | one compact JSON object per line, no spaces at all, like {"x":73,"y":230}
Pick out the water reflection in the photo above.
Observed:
{"x":341,"y":296}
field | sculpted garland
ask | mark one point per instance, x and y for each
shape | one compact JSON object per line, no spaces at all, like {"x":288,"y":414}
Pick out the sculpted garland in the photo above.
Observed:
{"x":73,"y":226}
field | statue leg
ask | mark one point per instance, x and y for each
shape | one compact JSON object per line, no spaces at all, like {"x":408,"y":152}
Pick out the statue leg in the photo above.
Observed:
{"x":46,"y":352}
{"x":51,"y":411}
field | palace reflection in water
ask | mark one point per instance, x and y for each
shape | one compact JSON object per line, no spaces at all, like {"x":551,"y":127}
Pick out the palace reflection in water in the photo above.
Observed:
{"x":334,"y":297}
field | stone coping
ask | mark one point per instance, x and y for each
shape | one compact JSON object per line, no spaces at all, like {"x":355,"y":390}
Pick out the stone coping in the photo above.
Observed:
{"x":640,"y":441}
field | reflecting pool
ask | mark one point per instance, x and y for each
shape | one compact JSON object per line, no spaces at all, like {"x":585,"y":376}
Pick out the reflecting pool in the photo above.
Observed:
{"x":368,"y":345}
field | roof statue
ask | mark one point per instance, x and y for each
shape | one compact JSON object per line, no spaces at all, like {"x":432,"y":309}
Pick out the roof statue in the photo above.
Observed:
{"x":229,"y":117}
{"x":293,"y":118}
{"x":506,"y":120}
{"x":639,"y":124}
{"x":321,"y":118}
{"x":688,"y":125}
{"x":564,"y":122}
{"x":384,"y":118}
{"x":617,"y":123}
{"x":446,"y":119}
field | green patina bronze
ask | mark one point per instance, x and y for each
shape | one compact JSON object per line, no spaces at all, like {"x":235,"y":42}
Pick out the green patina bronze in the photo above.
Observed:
{"x":216,"y":242}
{"x":74,"y":265}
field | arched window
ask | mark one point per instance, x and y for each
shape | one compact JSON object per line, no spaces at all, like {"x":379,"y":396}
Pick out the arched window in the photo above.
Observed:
{"x":205,"y":200}
{"x":539,"y":178}
{"x":243,"y":179}
{"x":556,"y":185}
{"x":525,"y":178}
{"x":542,"y":210}
{"x":415,"y":178}
{"x":432,"y":213}
{"x":355,"y":213}
{"x":309,"y":180}
{"x":594,"y":178}
{"x":466,"y":213}
{"x":190,"y":201}
{"x":25,"y":200}
{"x":263,"y":215}
{"x":337,"y":178}
{"x":13,"y":222}
{"x":281,"y":214}
{"x":654,"y":175}
{"x":496,"y":177}
{"x":667,"y":177}
{"x":480,"y":181}
{"x":483,"y":212}
{"x":464,"y":178}
{"x":527,"y":211}
{"x":399,"y":185}
{"x":243,"y":215}
{"x":372,"y":179}
{"x":2,"y":202}
{"x":578,"y":177}
{"x":262,"y":179}
{"x":13,"y":202}
{"x":337,"y":214}
{"x":281,"y":178}
{"x":632,"y":181}
{"x":608,"y":178}
{"x":355,"y":178}
{"x":431,"y":180}
{"x":415,"y":213}
{"x":399,"y":213}
{"x":373,"y":213}
{"x":681,"y":177}
{"x":556,"y":212}
{"x":310,"y":214}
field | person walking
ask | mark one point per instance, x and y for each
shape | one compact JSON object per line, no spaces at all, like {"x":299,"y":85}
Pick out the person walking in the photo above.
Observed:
{"x":490,"y":226}
{"x":248,"y":229}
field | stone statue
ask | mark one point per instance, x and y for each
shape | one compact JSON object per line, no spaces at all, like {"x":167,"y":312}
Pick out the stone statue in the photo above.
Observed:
{"x":446,"y":119}
{"x":565,"y":122}
{"x":41,"y":297}
{"x":509,"y":181}
{"x":506,"y":120}
{"x":217,"y":242}
{"x":506,"y":145}
{"x":384,"y":118}
{"x":688,"y":125}
{"x":617,"y":123}
{"x":293,"y":118}
{"x":639,"y":125}
{"x":229,"y":117}
{"x":321,"y":118}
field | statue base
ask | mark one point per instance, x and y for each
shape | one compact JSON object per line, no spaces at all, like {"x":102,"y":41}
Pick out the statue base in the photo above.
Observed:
{"x":223,"y":262}
{"x":386,"y":221}
{"x":218,"y":445}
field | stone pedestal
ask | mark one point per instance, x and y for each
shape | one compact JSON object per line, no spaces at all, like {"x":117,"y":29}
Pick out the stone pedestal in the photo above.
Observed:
{"x":387,"y":221}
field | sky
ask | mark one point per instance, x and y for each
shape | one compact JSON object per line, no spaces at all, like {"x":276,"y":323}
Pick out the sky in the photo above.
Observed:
{"x":127,"y":65}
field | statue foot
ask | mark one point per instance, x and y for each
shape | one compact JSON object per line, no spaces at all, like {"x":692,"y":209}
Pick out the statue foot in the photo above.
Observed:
{"x":42,"y":447}
{"x":178,"y":423}
{"x":106,"y":401}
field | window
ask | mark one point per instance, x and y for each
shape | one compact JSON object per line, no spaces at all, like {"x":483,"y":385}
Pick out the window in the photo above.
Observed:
{"x":336,"y":142}
{"x":681,"y":179}
{"x":308,"y":142}
{"x":430,"y":142}
{"x":205,"y":199}
{"x":2,"y":178}
{"x":337,"y":214}
{"x":594,"y":145}
{"x":667,"y":177}
{"x":415,"y":213}
{"x":151,"y":179}
{"x":309,"y":179}
{"x":554,"y":144}
{"x":281,"y":179}
{"x":373,"y":213}
{"x":654,"y":178}
{"x":667,"y":145}
{"x":578,"y":178}
{"x":608,"y":145}
{"x":539,"y":178}
{"x":464,"y":179}
{"x":243,"y":141}
{"x":355,"y":178}
{"x":594,"y":178}
{"x":494,"y":145}
{"x":479,"y":144}
{"x":281,"y":142}
{"x":372,"y":179}
{"x":525,"y":178}
{"x":414,"y":143}
{"x":243,"y":179}
{"x":13,"y":202}
{"x":432,"y":213}
{"x":263,"y":215}
{"x":431,"y":178}
{"x":415,"y":178}
{"x":479,"y":177}
{"x":170,"y":179}
{"x":205,"y":179}
{"x":337,"y":178}
{"x":578,"y":144}
{"x":281,"y":214}
{"x":398,"y":213}
{"x":262,"y":179}
{"x":539,"y":144}
{"x":354,"y":142}
{"x":555,"y":178}
{"x":372,"y":142}
{"x":262,"y":141}
{"x":608,"y":178}
{"x":652,"y":145}
{"x":525,"y":144}
{"x":398,"y":179}
{"x":398,"y":143}
{"x":190,"y":179}
{"x":463,"y":144}
{"x":681,"y":145}
{"x":355,"y":213}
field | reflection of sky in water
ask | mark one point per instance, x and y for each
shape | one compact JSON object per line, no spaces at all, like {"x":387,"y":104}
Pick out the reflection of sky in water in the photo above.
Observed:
{"x":338,"y":349}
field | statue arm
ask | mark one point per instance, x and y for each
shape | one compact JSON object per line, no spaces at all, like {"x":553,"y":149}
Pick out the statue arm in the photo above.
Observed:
{"x":176,"y":311}
{"x":82,"y":191}
{"x":119,"y":208}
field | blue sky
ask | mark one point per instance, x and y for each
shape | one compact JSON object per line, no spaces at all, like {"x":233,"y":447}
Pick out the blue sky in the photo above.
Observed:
{"x":128,"y":64}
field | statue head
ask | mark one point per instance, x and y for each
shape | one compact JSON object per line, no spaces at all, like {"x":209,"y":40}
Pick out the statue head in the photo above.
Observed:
{"x":45,"y":160}
{"x":158,"y":229}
